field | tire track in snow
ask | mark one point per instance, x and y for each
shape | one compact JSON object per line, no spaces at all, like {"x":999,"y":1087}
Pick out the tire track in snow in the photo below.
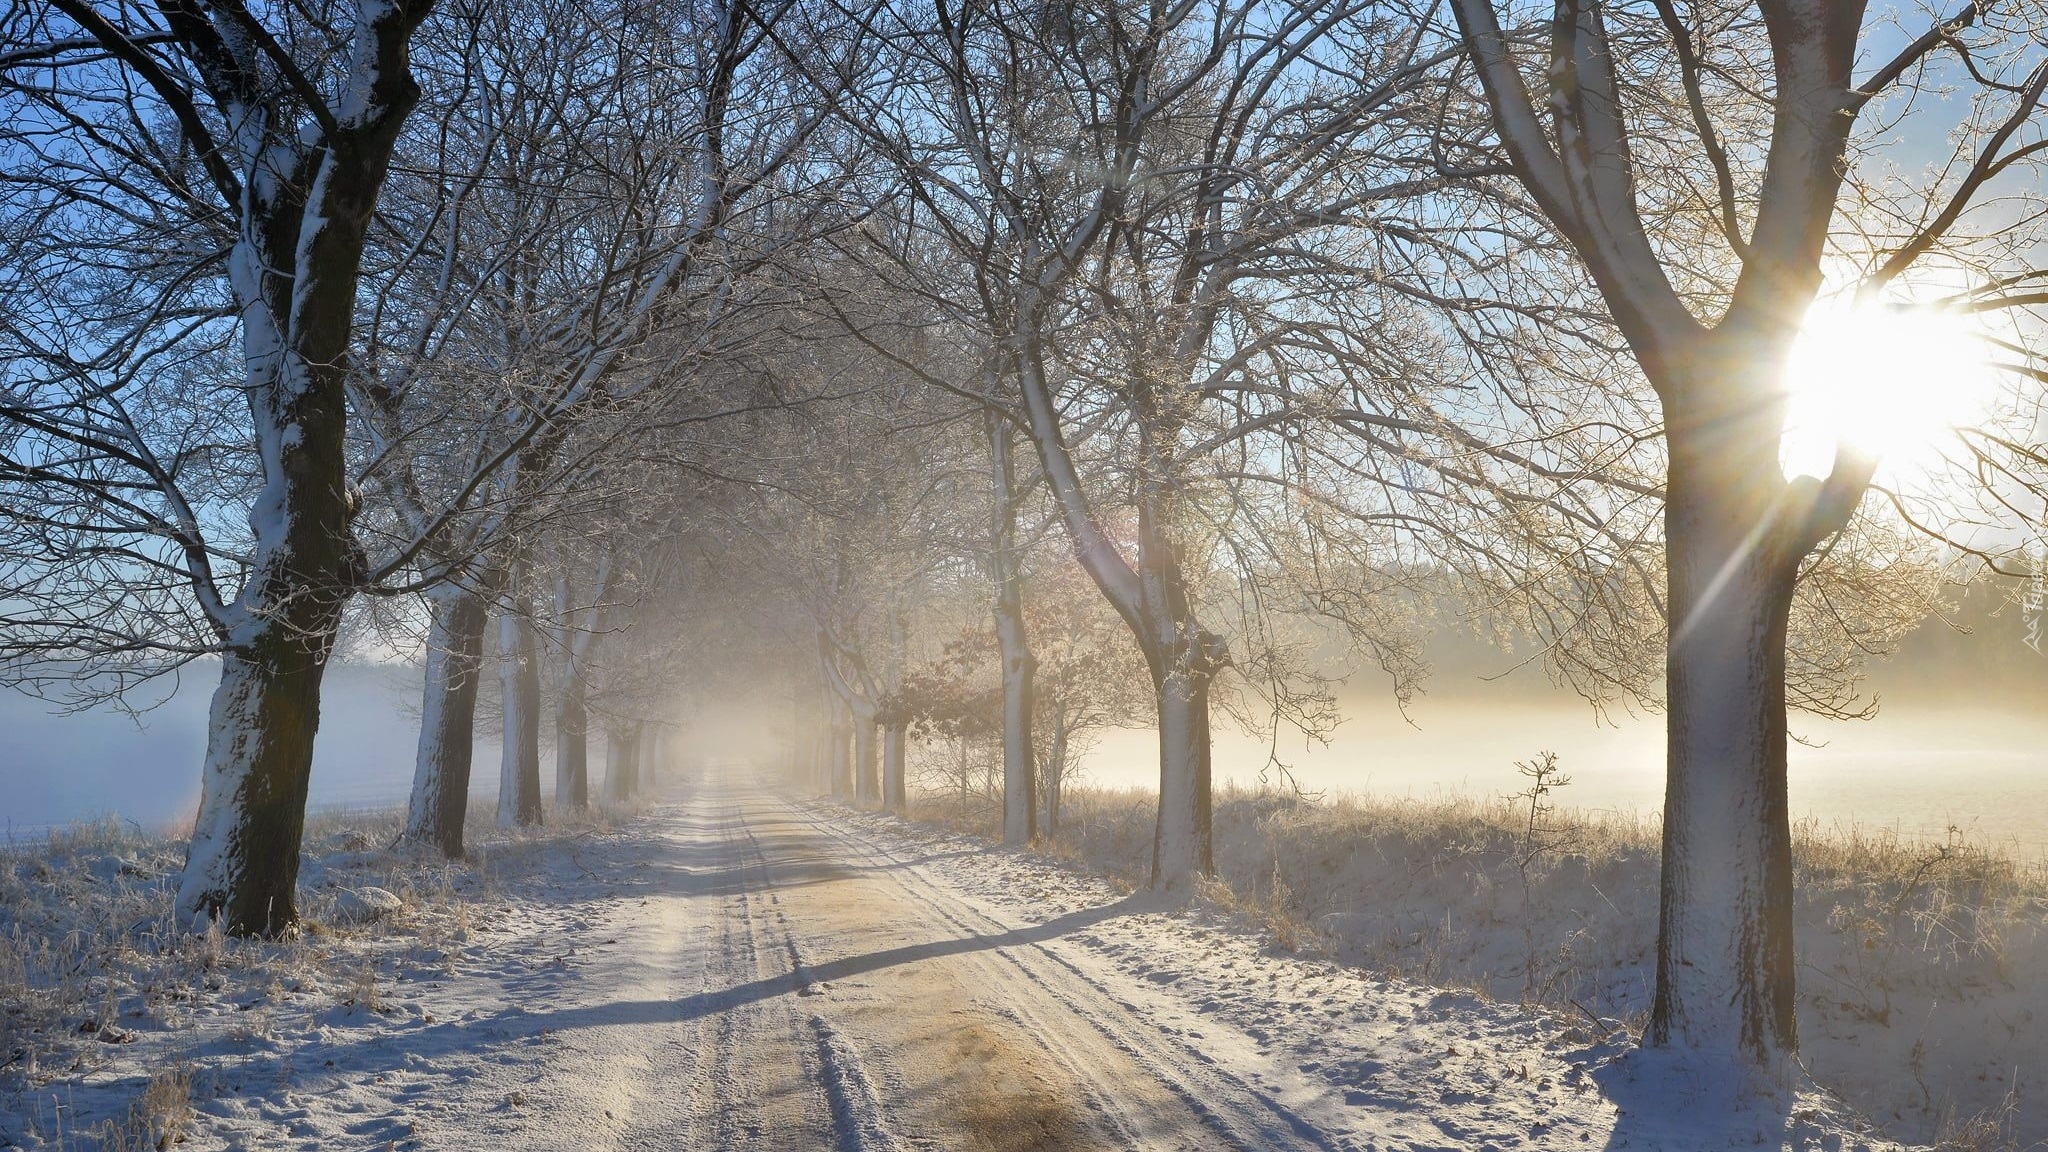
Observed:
{"x":857,"y":1113}
{"x":746,"y":1027}
{"x":858,"y":1118}
{"x":1071,"y":1041}
{"x":861,"y":1101}
{"x":1247,"y":1116}
{"x":856,"y":1109}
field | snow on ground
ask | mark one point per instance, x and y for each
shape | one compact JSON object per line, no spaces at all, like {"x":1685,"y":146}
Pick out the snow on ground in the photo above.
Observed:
{"x":1359,"y":1061}
{"x":1923,"y":968}
{"x":117,"y":1032}
{"x":739,"y":969}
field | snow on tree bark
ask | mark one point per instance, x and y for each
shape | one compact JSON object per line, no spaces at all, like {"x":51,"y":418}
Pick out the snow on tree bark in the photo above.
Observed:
{"x":440,"y":788}
{"x":305,"y":199}
{"x":519,"y":694}
{"x":243,"y":862}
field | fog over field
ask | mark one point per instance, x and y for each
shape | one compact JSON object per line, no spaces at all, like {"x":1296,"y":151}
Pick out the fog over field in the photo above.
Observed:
{"x":1958,"y":740}
{"x":1918,"y":767}
{"x":56,"y":769}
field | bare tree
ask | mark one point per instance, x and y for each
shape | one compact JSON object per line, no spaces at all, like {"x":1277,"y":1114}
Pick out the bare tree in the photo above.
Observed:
{"x":574,"y":223}
{"x":250,"y":153}
{"x":1108,"y":183}
{"x":1695,"y":158}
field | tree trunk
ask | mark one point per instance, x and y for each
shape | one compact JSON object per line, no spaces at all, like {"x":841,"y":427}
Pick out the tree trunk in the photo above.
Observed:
{"x":1153,"y":601}
{"x":440,"y":785}
{"x":653,"y":754}
{"x":243,"y":862}
{"x":1055,"y":776}
{"x":572,"y":740}
{"x":1184,"y":658}
{"x":293,"y":270}
{"x":1725,"y":979}
{"x":1181,"y":842}
{"x":1020,"y":759}
{"x":622,"y":761}
{"x":1013,"y":645}
{"x":893,"y":791}
{"x":578,"y":627}
{"x":519,"y":694}
{"x":867,"y":786}
{"x":839,"y":735}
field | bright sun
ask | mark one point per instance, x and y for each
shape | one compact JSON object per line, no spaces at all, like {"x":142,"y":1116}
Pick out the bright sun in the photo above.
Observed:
{"x":1886,"y":380}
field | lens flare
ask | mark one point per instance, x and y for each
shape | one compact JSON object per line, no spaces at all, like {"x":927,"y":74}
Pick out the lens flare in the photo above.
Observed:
{"x":1884,"y":379}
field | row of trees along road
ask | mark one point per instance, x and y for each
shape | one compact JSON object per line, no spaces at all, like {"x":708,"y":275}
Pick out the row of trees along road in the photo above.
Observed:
{"x":994,"y":369}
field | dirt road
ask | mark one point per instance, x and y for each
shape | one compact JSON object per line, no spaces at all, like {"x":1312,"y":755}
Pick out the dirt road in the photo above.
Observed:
{"x":786,"y":984}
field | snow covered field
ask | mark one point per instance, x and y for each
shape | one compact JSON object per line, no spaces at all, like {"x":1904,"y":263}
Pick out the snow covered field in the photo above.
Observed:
{"x":739,"y":969}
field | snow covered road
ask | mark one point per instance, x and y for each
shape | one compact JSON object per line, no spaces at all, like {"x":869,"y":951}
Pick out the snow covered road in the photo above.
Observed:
{"x":787,"y":983}
{"x":740,"y":968}
{"x":779,"y":974}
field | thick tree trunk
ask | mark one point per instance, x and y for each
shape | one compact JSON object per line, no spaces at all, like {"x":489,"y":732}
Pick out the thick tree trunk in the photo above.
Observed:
{"x":572,"y":741}
{"x":243,"y":863}
{"x":867,"y":786}
{"x":1185,"y":658}
{"x":302,"y":214}
{"x":894,"y":794}
{"x":1181,"y":846}
{"x":1735,"y":530}
{"x":1725,"y":979}
{"x":519,"y":750}
{"x":440,"y":784}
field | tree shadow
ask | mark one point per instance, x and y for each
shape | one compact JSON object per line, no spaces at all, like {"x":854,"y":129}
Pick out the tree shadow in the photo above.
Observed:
{"x":515,"y":1023}
{"x":1674,"y":1098}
